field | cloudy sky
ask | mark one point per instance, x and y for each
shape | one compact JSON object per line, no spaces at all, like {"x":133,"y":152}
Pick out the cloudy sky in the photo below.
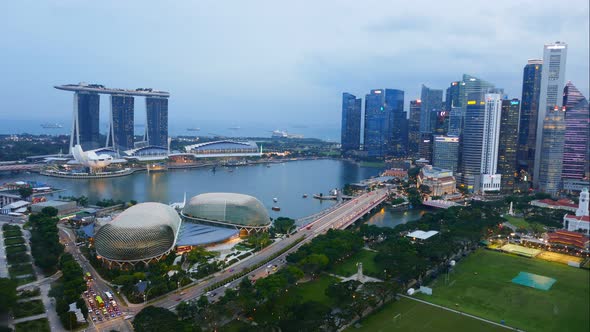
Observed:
{"x":273,"y":63}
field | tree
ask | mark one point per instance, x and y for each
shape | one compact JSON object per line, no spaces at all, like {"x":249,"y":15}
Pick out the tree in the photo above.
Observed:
{"x":50,"y":211}
{"x":156,"y":319}
{"x":283,"y":225}
{"x":25,"y":192}
{"x":7,"y":294}
{"x":314,"y":263}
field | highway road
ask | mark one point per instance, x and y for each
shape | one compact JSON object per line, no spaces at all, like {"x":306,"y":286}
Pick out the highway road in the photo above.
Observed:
{"x":342,"y":217}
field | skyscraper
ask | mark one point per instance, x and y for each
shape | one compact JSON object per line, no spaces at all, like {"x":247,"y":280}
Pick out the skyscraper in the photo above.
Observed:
{"x":120,"y":135}
{"x":481,"y":140}
{"x":551,"y":152}
{"x":552,"y":84}
{"x":351,"y":122}
{"x":527,"y":133}
{"x":576,"y":150}
{"x":85,"y":124}
{"x":384,"y":133}
{"x":430,"y":107}
{"x":157,"y":121}
{"x":445,"y":152}
{"x":508,"y":143}
{"x":452,"y":96}
{"x":414,"y":128}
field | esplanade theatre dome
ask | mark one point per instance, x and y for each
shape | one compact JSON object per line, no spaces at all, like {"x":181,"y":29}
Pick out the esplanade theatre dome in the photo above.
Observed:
{"x":229,"y":209}
{"x":141,"y":233}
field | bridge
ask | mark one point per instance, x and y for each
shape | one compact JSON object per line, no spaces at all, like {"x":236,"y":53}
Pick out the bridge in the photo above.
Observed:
{"x":440,"y":204}
{"x":340,"y":217}
{"x":19,"y":167}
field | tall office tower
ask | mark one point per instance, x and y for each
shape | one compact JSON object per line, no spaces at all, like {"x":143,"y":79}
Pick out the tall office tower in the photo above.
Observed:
{"x":455,"y":121}
{"x":120,"y":135}
{"x":552,"y":84}
{"x":445,"y":152}
{"x":481,"y":140}
{"x":425,"y":146}
{"x":430,"y":108}
{"x":414,"y":128}
{"x":157,"y":121}
{"x":383,"y":110}
{"x":527,"y":133}
{"x":576,"y":150}
{"x":85,"y":124}
{"x":351,"y":123}
{"x":452,"y":96}
{"x":551,"y":152}
{"x":508,"y":143}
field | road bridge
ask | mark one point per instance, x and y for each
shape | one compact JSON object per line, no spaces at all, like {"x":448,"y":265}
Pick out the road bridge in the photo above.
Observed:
{"x":440,"y":204}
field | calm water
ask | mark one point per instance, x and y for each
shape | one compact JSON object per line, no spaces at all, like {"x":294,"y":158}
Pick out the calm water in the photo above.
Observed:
{"x":389,"y":218}
{"x":287,"y":182}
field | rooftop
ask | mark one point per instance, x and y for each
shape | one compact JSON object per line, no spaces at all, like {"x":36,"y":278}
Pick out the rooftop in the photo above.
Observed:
{"x":422,"y":235}
{"x":97,"y":88}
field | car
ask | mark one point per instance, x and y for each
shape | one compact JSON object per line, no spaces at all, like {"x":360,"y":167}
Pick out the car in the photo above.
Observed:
{"x":94,"y":319}
{"x":227,"y":285}
{"x":90,"y":310}
{"x":99,"y":319}
{"x":208,"y":294}
{"x":112,"y":315}
{"x":214,"y":293}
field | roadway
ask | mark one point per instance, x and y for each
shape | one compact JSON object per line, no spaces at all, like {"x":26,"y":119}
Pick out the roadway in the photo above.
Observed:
{"x":339,"y":218}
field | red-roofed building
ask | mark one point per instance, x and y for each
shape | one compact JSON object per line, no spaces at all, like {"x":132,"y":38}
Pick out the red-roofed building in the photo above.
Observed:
{"x":570,"y":239}
{"x":580,"y":222}
{"x":562,"y":204}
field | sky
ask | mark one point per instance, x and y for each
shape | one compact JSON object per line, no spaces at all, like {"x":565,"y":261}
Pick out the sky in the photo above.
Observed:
{"x":272,"y":64}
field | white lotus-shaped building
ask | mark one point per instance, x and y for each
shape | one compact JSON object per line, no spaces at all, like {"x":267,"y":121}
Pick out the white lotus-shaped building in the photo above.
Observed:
{"x":90,"y":158}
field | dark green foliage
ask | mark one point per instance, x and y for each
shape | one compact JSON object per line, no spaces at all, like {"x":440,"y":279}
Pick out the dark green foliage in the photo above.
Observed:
{"x":155,"y":319}
{"x":45,"y":246}
{"x":7,"y":294}
{"x":283,"y":225}
{"x":25,"y":192}
{"x":28,"y":308}
{"x":335,"y":245}
{"x":68,"y":290}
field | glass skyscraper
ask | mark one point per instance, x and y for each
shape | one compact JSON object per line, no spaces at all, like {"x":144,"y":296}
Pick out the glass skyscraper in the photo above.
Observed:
{"x":350,"y":135}
{"x":508,"y":143}
{"x":414,"y":128}
{"x":551,"y":152}
{"x":452,"y":96}
{"x":529,"y":108}
{"x":430,"y":108}
{"x":576,"y":150}
{"x":445,"y":152}
{"x":550,"y":96}
{"x":86,"y":120}
{"x":157,"y":121}
{"x":120,"y":135}
{"x":384,"y":128}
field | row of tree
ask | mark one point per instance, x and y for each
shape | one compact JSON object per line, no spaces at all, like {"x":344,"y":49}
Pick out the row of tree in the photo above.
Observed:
{"x":68,"y":290}
{"x":45,"y":246}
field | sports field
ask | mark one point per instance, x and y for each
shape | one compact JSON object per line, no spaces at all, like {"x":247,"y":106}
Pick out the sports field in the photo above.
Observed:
{"x":416,"y":316}
{"x":481,"y":285}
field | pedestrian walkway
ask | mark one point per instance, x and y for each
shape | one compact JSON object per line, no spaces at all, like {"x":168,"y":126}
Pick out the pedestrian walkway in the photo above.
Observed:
{"x":26,"y":319}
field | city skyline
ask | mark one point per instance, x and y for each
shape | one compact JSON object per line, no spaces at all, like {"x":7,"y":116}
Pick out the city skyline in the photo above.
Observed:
{"x":198,"y":67}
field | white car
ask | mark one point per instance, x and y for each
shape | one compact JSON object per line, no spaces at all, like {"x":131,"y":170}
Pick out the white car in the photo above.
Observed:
{"x":227,"y":285}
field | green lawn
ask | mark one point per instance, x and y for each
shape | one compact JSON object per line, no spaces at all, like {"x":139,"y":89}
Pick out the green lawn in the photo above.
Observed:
{"x":38,"y":325}
{"x":28,"y":308}
{"x":348,"y":267}
{"x":416,"y":316}
{"x":491,"y":294}
{"x":518,"y":222}
{"x":21,"y":269}
{"x":315,"y":290}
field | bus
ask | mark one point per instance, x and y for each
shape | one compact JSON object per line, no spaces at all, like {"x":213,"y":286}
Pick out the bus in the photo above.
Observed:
{"x":99,"y":301}
{"x":88,"y":276}
{"x":109,"y":295}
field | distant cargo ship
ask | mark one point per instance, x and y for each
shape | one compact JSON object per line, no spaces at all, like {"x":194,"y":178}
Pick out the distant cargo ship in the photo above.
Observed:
{"x":51,"y":125}
{"x":193,"y":129}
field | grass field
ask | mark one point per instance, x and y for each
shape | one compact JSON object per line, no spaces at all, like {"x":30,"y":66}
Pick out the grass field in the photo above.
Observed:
{"x":481,"y":285}
{"x":37,"y":325}
{"x":315,"y":290}
{"x":28,"y":308}
{"x":416,"y":316}
{"x":348,"y":267}
{"x":518,"y":222}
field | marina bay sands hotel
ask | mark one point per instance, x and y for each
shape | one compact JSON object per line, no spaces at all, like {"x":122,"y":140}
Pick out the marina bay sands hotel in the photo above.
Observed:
{"x":86,"y":125}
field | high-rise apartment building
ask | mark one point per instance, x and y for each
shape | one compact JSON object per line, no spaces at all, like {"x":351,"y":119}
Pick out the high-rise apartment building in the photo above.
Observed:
{"x":445,"y":152}
{"x":430,"y":108}
{"x":85,"y":130}
{"x":481,"y":140}
{"x":527,"y":134}
{"x":385,"y":132}
{"x":351,"y":122}
{"x":576,"y":150}
{"x":414,"y":128}
{"x":508,"y":143}
{"x":550,"y":96}
{"x":551,"y":152}
{"x":120,"y":135}
{"x":157,"y":121}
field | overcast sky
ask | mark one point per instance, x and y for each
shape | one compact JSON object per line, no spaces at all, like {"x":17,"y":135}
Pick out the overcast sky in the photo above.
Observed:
{"x":274,"y":63}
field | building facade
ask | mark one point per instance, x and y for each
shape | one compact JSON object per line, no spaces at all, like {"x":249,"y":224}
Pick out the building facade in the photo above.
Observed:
{"x":121,"y":131}
{"x":414,"y":128}
{"x":350,"y":138}
{"x":551,"y":157}
{"x":385,"y":129}
{"x":445,"y":152}
{"x":576,"y":150}
{"x":529,"y":108}
{"x":508,"y":143}
{"x":440,"y":181}
{"x":430,"y":108}
{"x":550,"y":98}
{"x":157,"y":121}
{"x":85,"y":125}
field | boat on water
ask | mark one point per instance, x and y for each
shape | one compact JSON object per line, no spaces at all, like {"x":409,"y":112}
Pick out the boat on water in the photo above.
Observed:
{"x":267,"y":166}
{"x":275,"y":199}
{"x":276,"y":208}
{"x":51,"y":125}
{"x":304,"y":195}
{"x":193,"y":129}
